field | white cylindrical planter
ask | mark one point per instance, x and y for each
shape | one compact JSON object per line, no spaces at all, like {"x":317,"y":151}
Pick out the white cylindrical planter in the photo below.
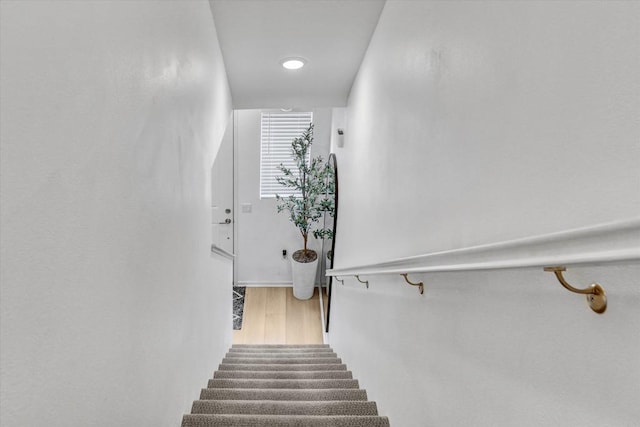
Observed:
{"x":304,"y":278}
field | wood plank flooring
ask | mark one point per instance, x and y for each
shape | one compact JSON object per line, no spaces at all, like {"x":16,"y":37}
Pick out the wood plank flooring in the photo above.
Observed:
{"x":274,"y":316}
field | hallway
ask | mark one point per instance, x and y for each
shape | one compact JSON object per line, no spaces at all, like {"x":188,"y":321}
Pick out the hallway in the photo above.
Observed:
{"x":274,"y":316}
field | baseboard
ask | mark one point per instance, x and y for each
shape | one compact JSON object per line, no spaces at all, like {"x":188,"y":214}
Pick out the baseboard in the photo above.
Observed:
{"x":267,"y":284}
{"x":264,"y":284}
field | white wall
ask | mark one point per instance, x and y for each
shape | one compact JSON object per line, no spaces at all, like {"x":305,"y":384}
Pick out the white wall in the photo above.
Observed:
{"x":264,"y":233}
{"x":473,"y":123}
{"x":114,"y":311}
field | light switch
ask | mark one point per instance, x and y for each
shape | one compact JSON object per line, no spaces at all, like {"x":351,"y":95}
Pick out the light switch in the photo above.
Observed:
{"x":246,"y":207}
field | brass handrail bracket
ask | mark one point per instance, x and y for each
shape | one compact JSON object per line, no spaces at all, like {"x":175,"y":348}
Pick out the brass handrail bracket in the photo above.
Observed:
{"x":420,"y":285}
{"x":366,"y":282}
{"x":596,"y":297}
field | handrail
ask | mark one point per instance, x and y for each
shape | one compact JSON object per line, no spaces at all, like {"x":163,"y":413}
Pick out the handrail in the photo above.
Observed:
{"x":572,"y":247}
{"x":218,"y":250}
{"x":551,"y":251}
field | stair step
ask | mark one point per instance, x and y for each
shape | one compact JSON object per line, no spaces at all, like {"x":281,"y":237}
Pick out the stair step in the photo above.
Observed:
{"x":281,"y":355}
{"x":281,"y":367}
{"x":282,"y":350}
{"x":303,"y":346}
{"x":277,"y":360}
{"x":278,"y":383}
{"x":285,"y":375}
{"x":283,"y":385}
{"x":284,"y":407}
{"x":281,"y":394}
{"x":208,"y":420}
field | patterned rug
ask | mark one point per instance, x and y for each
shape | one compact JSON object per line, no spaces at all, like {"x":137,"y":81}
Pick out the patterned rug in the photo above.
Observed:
{"x":238,"y":306}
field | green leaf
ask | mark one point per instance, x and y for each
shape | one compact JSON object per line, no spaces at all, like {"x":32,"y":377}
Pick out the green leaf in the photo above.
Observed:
{"x":314,"y":181}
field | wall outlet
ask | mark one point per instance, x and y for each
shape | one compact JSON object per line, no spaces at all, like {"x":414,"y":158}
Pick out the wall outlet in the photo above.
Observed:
{"x":284,"y":253}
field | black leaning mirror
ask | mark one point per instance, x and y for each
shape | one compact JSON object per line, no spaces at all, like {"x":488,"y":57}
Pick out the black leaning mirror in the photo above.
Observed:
{"x":329,"y":243}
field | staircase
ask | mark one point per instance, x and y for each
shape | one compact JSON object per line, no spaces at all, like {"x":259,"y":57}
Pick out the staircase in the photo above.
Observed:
{"x":283,"y":385}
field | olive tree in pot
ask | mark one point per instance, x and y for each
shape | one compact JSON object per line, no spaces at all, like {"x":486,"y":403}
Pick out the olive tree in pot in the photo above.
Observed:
{"x":305,"y":208}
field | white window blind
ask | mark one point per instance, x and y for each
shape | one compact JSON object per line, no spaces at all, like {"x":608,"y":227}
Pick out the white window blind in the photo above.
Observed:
{"x":277,"y":132}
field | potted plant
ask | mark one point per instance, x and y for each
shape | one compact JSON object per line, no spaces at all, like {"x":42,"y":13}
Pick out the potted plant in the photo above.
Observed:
{"x":310,"y":181}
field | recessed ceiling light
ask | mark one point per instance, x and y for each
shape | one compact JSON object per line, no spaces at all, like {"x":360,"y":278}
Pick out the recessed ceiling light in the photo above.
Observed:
{"x":293,"y":63}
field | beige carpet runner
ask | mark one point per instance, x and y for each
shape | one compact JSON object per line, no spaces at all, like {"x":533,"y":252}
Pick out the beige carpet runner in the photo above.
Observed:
{"x":283,"y":385}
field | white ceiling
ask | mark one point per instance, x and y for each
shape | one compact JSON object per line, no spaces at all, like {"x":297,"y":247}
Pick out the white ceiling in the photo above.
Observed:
{"x":332,"y":35}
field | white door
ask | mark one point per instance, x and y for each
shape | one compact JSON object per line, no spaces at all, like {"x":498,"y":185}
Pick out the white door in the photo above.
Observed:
{"x":222,"y":215}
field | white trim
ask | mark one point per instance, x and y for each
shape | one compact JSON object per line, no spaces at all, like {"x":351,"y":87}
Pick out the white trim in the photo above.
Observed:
{"x":268,"y":284}
{"x":610,"y":242}
{"x":236,"y":202}
{"x":322,"y":315}
{"x":219,"y":251}
{"x":265,"y":284}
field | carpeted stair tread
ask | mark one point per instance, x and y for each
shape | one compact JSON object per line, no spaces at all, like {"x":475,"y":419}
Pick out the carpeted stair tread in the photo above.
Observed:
{"x":277,"y":383}
{"x":284,"y":407}
{"x":281,"y":355}
{"x":281,"y":394}
{"x":283,"y":385}
{"x":282,"y":350}
{"x":207,"y":420}
{"x":285,"y":375}
{"x":277,"y":360}
{"x":282,"y":367}
{"x":294,"y":346}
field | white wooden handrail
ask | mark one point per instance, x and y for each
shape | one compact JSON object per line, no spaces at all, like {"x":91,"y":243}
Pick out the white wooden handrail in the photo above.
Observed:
{"x":611,"y":242}
{"x":218,"y":250}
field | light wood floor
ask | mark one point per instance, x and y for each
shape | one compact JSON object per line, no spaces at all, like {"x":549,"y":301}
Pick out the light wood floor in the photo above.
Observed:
{"x":274,"y":316}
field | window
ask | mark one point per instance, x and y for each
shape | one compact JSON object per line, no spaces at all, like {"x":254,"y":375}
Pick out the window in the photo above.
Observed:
{"x":277,"y":132}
